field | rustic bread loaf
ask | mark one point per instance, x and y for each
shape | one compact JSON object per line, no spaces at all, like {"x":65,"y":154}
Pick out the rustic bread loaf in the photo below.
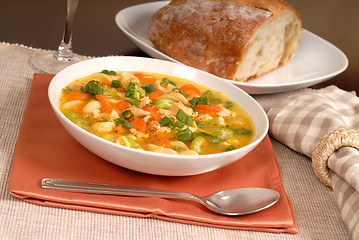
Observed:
{"x":233,"y":39}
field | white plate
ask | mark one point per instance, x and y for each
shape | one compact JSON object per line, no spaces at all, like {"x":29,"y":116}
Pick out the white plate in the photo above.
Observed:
{"x":316,"y":59}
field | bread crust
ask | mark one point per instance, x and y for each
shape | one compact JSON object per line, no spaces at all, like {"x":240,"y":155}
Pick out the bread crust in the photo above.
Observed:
{"x":211,"y":35}
{"x":273,"y":6}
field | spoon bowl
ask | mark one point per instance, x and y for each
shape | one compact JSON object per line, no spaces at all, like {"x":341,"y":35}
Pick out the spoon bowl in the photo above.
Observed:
{"x":241,"y":200}
{"x":231,"y":202}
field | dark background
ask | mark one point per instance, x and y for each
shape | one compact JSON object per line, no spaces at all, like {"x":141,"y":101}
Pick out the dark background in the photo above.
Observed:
{"x":40,"y":24}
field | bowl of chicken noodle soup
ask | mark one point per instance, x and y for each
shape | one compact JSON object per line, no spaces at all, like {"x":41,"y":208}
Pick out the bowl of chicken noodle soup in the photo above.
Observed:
{"x":156,"y":116}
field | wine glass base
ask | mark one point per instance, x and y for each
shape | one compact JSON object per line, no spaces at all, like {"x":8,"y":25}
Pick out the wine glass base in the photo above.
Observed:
{"x":47,"y":62}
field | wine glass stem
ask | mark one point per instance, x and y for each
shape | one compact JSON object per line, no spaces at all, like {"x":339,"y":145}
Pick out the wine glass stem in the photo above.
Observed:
{"x":64,"y":51}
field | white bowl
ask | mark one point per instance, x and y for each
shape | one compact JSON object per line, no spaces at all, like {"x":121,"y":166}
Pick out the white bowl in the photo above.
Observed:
{"x":150,"y":162}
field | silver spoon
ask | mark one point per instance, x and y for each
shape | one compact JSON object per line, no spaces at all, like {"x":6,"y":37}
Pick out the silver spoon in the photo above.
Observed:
{"x":228,"y":202}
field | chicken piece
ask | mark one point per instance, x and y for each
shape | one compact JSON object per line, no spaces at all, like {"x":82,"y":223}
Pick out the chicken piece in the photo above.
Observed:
{"x":204,"y":117}
{"x":221,"y":121}
{"x":167,"y":151}
{"x":179,"y":144}
{"x":103,"y":126}
{"x":167,"y":89}
{"x":102,"y":76}
{"x":144,"y":101}
{"x":156,"y":126}
{"x":168,"y":113}
{"x":224,"y":112}
{"x":179,"y":105}
{"x":69,"y":105}
{"x":113,"y":115}
{"x":126,"y":77}
{"x":92,"y":108}
{"x":137,"y":112}
{"x":177,"y":96}
{"x":138,"y":133}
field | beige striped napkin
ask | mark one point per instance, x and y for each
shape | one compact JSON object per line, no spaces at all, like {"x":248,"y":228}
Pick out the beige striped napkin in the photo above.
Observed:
{"x":323,"y":124}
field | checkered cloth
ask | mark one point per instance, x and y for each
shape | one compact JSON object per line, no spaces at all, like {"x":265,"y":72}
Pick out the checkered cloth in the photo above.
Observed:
{"x":314,"y":122}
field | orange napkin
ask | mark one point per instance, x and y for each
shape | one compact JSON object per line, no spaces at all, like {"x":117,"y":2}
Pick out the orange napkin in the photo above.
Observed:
{"x":45,"y":149}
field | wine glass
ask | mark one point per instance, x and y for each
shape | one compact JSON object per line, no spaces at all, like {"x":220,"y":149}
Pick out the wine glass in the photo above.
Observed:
{"x":55,"y":61}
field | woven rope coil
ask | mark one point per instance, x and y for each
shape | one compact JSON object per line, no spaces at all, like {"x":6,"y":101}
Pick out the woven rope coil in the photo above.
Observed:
{"x":327,"y":145}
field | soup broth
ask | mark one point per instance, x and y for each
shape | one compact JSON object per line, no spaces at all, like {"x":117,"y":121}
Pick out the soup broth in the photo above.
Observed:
{"x":157,"y":113}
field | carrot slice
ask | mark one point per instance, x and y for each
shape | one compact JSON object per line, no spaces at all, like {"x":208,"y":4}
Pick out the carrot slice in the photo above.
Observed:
{"x":145,"y":78}
{"x":138,"y":74}
{"x":148,"y":79}
{"x":153,"y":109}
{"x":155,"y":95}
{"x":105,"y":83}
{"x":162,"y":142}
{"x":120,"y":129}
{"x":77,"y":95}
{"x":210,"y":108}
{"x":122,"y":106}
{"x":106,"y":105}
{"x":190,"y":89}
{"x":138,"y":123}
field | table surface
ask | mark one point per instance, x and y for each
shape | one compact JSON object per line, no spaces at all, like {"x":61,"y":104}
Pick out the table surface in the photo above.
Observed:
{"x":39,"y":24}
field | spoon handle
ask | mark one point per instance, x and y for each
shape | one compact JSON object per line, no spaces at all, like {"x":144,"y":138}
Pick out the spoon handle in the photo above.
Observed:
{"x":100,"y":188}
